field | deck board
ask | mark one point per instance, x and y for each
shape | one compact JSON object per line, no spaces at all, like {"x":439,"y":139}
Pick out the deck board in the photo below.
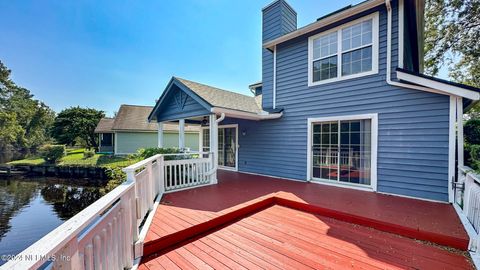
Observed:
{"x":279,"y":237}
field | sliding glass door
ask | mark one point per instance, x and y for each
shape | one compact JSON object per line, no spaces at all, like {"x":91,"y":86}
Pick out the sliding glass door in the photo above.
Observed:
{"x":341,"y":151}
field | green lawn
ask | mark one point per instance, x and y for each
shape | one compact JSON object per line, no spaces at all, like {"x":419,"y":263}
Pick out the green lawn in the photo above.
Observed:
{"x":75,"y":157}
{"x":28,"y":161}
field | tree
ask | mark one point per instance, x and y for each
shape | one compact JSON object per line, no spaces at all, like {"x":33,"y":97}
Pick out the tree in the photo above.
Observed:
{"x":452,"y":35}
{"x":28,"y":120}
{"x":77,"y":124}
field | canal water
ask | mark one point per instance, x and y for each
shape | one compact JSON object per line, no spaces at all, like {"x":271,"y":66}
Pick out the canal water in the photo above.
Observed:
{"x":32,"y":207}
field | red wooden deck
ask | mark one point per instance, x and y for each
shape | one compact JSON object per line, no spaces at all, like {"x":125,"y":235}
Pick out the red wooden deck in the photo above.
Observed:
{"x":284,"y":238}
{"x":200,"y":212}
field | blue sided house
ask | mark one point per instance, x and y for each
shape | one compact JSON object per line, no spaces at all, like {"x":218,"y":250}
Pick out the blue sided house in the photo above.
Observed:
{"x":342,"y":101}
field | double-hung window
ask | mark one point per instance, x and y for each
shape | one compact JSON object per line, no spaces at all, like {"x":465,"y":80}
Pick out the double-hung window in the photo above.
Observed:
{"x":348,"y":51}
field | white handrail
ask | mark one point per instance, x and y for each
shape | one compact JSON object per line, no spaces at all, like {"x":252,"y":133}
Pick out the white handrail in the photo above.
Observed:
{"x":108,"y":234}
{"x":467,"y":206}
{"x":38,"y":253}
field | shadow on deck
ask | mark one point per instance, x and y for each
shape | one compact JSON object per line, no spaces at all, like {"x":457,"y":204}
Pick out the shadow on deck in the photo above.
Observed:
{"x":186,"y":217}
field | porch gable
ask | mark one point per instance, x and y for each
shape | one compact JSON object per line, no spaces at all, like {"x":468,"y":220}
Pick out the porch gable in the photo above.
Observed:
{"x":177,"y":102}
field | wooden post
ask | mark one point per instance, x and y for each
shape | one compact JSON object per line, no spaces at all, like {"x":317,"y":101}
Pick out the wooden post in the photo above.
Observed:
{"x":181,"y":133}
{"x":160,"y":134}
{"x":214,"y":144}
{"x":150,"y":185}
{"x":161,"y":176}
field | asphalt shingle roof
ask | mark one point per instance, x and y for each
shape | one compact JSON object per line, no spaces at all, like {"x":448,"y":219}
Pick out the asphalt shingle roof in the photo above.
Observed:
{"x":134,"y":118}
{"x":223,"y":98}
{"x":104,"y":125}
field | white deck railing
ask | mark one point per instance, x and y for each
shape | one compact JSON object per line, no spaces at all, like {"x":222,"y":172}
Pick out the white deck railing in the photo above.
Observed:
{"x":467,"y":204}
{"x":109,"y":233}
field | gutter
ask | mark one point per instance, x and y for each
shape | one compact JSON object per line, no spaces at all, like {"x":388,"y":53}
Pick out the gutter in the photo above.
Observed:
{"x":245,"y":115}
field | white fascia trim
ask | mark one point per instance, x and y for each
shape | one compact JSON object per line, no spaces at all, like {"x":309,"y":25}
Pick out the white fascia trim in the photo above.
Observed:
{"x":324,"y":22}
{"x":374,"y":144}
{"x":425,"y":85}
{"x":442,"y":87}
{"x":245,"y":115}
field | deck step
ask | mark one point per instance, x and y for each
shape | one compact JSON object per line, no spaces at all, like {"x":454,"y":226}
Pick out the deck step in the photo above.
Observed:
{"x":173,"y":240}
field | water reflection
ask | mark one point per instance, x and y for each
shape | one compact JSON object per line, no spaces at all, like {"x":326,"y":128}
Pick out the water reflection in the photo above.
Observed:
{"x":30,"y":208}
{"x":67,"y":200}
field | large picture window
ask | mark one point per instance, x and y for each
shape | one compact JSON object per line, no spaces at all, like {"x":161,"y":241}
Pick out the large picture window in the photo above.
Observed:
{"x":344,"y":52}
{"x":341,"y":150}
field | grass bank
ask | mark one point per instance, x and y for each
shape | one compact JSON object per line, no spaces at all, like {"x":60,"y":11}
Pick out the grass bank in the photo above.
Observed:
{"x":75,"y":157}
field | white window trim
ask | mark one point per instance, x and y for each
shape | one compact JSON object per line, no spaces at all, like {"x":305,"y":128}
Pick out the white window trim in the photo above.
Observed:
{"x":237,"y":146}
{"x":375,"y":52}
{"x":374,"y":143}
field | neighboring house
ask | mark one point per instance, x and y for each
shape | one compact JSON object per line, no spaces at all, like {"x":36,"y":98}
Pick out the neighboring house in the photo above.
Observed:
{"x":342,"y":102}
{"x":130,"y":130}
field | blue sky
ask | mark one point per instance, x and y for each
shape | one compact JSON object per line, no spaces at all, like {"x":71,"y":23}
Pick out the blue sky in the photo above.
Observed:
{"x":101,"y":54}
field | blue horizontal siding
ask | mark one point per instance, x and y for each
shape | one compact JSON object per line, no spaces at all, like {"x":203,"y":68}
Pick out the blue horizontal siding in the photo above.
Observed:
{"x":413,"y":125}
{"x":277,"y":20}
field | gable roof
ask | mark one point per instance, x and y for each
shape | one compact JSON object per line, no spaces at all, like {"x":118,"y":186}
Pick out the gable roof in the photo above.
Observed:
{"x":135,"y":118}
{"x":104,"y":125}
{"x":217,"y":97}
{"x":217,"y":101}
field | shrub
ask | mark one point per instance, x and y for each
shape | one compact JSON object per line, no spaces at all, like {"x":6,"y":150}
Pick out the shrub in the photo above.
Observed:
{"x":52,"y":153}
{"x":88,"y":153}
{"x":144,"y":153}
{"x":471,"y":131}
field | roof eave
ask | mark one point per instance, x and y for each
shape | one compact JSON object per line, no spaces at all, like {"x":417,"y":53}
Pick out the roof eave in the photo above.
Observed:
{"x":323,"y":22}
{"x":439,"y":86}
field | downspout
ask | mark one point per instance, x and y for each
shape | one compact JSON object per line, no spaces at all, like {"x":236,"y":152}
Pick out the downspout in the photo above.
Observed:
{"x":222,"y":117}
{"x":274,"y":85}
{"x":215,"y":164}
{"x":451,"y":143}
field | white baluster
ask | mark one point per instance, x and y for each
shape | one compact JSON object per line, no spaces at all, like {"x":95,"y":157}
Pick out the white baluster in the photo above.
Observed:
{"x":88,"y":258}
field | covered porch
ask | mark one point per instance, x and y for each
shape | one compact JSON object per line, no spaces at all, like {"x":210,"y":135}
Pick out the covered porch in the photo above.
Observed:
{"x":215,"y":112}
{"x":358,"y":228}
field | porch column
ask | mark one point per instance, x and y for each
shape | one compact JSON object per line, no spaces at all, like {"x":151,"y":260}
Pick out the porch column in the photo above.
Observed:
{"x":160,"y":134}
{"x":214,"y":144}
{"x":460,"y":130}
{"x":181,"y":133}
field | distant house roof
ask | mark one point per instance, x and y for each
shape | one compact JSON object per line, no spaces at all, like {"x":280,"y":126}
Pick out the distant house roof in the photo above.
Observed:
{"x":222,"y":98}
{"x":135,"y":118}
{"x":104,"y":125}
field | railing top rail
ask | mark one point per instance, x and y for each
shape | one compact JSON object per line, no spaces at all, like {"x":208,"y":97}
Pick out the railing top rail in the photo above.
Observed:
{"x":56,"y":239}
{"x":144,"y":162}
{"x":470,"y":172}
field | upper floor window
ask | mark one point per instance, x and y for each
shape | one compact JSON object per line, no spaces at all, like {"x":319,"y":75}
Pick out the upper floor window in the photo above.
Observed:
{"x":348,"y":51}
